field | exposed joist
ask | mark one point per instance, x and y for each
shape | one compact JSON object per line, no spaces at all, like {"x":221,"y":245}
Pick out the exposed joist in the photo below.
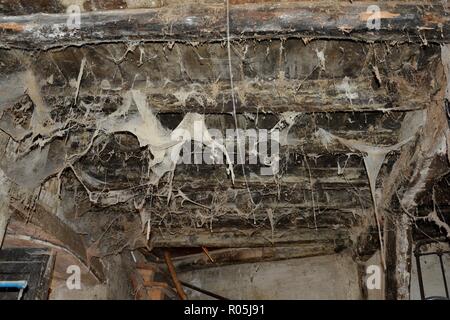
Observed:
{"x":240,"y":238}
{"x":326,"y":179}
{"x":325,"y":95}
{"x":282,"y":219}
{"x":399,"y":22}
{"x":419,"y":166}
{"x":224,"y":257}
{"x":294,"y":197}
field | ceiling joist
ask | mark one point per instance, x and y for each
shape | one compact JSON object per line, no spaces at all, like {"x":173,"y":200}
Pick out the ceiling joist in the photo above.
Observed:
{"x":412,"y":21}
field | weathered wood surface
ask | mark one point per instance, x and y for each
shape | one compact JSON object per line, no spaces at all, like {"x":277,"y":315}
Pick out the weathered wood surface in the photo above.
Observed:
{"x":398,"y":244}
{"x":422,"y":164}
{"x":58,"y":233}
{"x":328,"y":95}
{"x":222,"y":257}
{"x":399,"y":22}
{"x":419,"y":167}
{"x":241,"y":237}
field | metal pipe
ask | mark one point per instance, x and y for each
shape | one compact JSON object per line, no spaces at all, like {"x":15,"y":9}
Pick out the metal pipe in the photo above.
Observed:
{"x":14,"y":284}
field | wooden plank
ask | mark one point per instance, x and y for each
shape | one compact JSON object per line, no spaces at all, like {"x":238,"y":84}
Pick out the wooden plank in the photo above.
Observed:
{"x":325,"y":95}
{"x":242,"y":238}
{"x":224,"y":257}
{"x":412,"y":21}
{"x":282,"y":198}
{"x":205,"y":177}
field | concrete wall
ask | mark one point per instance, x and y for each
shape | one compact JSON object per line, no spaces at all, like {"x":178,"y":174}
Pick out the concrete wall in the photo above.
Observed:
{"x":323,"y":277}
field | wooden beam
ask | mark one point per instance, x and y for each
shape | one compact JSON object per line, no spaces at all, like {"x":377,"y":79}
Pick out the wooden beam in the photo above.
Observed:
{"x":412,"y":21}
{"x":280,"y":95}
{"x":419,"y":166}
{"x":61,"y":235}
{"x":398,"y":247}
{"x":208,"y":176}
{"x":242,"y":238}
{"x":224,"y":257}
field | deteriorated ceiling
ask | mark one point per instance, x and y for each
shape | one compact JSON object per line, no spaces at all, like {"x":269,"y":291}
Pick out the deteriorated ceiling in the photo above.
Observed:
{"x":83,"y":129}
